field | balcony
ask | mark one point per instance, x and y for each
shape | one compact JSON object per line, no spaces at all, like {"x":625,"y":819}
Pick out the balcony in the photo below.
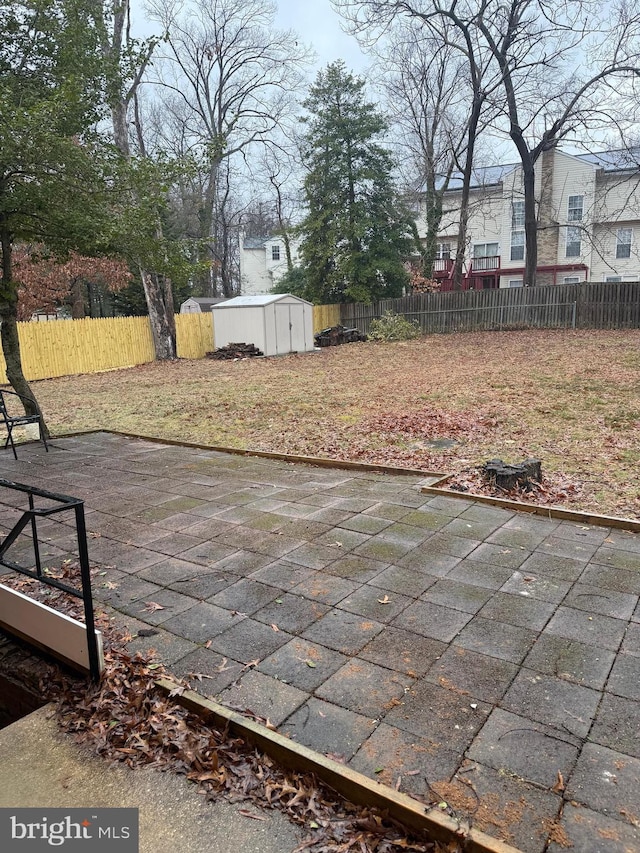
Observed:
{"x":485,"y":264}
{"x":442,"y":267}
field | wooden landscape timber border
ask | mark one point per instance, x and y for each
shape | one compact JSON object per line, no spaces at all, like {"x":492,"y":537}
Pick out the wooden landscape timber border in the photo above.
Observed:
{"x":536,"y":509}
{"x":354,"y":786}
{"x":435,"y":489}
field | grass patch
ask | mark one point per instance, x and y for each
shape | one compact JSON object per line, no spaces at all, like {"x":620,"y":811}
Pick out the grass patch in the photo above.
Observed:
{"x":571,"y":398}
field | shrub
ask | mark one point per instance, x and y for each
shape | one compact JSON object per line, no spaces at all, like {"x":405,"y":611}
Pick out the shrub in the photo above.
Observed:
{"x":393,"y":327}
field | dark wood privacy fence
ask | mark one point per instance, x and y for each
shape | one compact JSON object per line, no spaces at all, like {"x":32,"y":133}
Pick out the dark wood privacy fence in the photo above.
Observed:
{"x":598,"y":305}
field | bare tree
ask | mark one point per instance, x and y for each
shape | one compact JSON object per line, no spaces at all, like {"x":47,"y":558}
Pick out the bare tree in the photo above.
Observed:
{"x":126,"y":61}
{"x":230,"y":76}
{"x":533,"y":47}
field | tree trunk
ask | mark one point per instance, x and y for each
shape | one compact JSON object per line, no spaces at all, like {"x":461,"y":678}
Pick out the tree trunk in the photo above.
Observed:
{"x":9,"y":332}
{"x":474,"y":119}
{"x":77,"y":300}
{"x":157,"y":291}
{"x":530,"y":223}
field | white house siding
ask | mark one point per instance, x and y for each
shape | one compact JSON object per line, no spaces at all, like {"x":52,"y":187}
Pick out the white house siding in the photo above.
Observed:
{"x":254,"y":276}
{"x":611,"y":200}
{"x":259,"y":272}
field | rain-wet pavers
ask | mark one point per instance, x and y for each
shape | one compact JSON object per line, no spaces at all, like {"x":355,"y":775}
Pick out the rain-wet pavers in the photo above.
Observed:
{"x":479,"y":658}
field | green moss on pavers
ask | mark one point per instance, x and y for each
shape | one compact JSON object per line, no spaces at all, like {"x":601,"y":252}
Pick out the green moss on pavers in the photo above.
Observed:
{"x":532,"y":751}
{"x":314,"y":556}
{"x":510,"y":538}
{"x":301,"y":528}
{"x":364,"y":688}
{"x":425,"y":561}
{"x":328,"y":728}
{"x":240,"y":536}
{"x":387,"y":511}
{"x":391,"y":754}
{"x":496,"y":639}
{"x":591,"y":832}
{"x":273,"y":545}
{"x":570,"y":660}
{"x":383,"y":550}
{"x":427,"y":518}
{"x":303,"y":664}
{"x":174,"y":544}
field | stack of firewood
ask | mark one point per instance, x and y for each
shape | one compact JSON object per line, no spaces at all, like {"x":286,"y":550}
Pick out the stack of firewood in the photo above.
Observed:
{"x":232,"y":351}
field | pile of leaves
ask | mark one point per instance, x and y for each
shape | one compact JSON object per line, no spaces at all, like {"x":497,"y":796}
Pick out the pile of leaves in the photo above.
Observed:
{"x":433,"y":423}
{"x":393,"y":327}
{"x":554,"y":488}
{"x":125,"y":718}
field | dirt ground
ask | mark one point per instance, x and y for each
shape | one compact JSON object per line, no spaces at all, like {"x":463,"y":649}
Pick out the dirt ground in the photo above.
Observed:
{"x":445,"y":403}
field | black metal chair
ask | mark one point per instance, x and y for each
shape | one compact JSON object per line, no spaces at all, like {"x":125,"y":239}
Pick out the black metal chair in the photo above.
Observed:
{"x":10,"y":421}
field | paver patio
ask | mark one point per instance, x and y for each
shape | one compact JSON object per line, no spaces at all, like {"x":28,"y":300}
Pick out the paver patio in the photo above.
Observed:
{"x":471,"y":655}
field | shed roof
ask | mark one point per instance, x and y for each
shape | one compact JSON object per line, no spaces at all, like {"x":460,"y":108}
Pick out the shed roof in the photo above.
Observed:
{"x":258,"y":300}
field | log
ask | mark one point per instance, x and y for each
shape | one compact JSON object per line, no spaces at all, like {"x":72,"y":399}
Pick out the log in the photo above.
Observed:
{"x":509,"y":477}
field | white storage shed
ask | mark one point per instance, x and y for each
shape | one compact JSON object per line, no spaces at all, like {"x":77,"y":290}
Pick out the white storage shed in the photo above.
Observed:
{"x":276,"y":323}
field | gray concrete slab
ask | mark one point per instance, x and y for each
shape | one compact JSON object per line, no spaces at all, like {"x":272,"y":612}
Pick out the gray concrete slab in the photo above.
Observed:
{"x":43,"y":768}
{"x":426,"y":639}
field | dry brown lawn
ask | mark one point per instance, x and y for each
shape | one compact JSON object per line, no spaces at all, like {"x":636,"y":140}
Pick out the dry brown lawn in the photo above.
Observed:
{"x":571,"y":398}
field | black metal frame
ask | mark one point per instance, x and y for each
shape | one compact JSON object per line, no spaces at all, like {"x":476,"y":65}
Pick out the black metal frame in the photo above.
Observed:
{"x":11,"y":421}
{"x":29,"y":517}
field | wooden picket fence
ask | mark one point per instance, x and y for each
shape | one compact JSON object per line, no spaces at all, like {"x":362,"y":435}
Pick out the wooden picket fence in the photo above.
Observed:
{"x":69,"y":347}
{"x":597,"y":305}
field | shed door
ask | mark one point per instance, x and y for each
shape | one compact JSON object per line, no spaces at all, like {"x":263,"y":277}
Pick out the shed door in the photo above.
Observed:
{"x":283,"y":328}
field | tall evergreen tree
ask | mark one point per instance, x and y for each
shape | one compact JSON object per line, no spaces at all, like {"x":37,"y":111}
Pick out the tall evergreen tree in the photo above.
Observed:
{"x":354,"y":234}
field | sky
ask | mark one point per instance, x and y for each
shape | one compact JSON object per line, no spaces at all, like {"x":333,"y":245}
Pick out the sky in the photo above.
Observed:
{"x":318,"y":25}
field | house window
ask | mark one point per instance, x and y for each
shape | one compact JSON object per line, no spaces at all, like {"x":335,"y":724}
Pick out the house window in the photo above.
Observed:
{"x":485,"y":250}
{"x":517,"y":245}
{"x":574,"y":242}
{"x":275,"y":253}
{"x":443,"y":251}
{"x":515,"y":282}
{"x":517,"y":214}
{"x":613,"y":278}
{"x":576,"y":204}
{"x":571,"y":279}
{"x":623,"y":242}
